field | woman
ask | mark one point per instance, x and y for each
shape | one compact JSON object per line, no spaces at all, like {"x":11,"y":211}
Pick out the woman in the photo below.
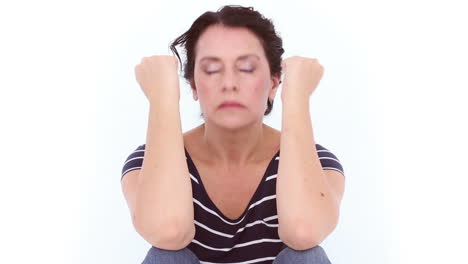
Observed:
{"x":219,"y":192}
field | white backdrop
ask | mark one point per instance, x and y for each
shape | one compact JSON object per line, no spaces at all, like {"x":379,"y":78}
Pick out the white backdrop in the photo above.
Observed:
{"x":389,"y":106}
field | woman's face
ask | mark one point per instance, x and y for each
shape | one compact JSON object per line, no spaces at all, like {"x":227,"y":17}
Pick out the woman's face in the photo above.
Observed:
{"x":230,"y":64}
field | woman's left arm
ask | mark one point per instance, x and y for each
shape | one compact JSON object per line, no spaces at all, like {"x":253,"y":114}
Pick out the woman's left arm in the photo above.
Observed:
{"x":308,"y":197}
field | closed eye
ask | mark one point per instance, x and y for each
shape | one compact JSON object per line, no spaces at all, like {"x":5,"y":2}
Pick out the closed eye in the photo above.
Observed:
{"x":211,"y":72}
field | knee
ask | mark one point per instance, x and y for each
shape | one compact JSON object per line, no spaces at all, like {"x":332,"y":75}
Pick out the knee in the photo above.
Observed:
{"x":158,"y":255}
{"x":315,"y":255}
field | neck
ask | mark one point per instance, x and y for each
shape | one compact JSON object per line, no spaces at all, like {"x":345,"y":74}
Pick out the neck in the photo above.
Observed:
{"x":233,"y":147}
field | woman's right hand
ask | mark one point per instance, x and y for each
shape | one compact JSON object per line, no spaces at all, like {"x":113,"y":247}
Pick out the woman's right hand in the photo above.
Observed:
{"x":158,"y":78}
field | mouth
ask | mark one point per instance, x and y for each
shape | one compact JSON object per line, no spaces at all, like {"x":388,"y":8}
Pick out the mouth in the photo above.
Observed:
{"x":231,"y":105}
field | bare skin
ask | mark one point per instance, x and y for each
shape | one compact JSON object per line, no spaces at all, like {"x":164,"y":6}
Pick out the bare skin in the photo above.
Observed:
{"x":231,"y":186}
{"x":232,"y":149}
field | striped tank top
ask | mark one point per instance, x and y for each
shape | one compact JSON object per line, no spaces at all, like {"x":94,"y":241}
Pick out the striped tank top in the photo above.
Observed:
{"x":253,"y":236}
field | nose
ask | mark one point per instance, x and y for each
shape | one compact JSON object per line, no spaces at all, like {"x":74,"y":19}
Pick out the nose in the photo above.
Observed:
{"x":230,"y":81}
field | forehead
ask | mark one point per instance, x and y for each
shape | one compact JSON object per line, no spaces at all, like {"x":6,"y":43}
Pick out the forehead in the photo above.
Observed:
{"x":219,"y":42}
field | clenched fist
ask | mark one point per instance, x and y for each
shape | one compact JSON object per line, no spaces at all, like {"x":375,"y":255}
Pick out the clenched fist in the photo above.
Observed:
{"x":158,"y":78}
{"x":301,"y":76}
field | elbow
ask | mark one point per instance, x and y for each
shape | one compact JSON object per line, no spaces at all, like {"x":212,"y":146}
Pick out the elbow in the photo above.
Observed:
{"x":303,"y":237}
{"x":300,"y":239}
{"x":176,"y":238}
{"x":168,"y":237}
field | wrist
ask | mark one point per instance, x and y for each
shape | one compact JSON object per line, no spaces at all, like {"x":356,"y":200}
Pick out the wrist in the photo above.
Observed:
{"x":164,"y":103}
{"x":294,"y":99}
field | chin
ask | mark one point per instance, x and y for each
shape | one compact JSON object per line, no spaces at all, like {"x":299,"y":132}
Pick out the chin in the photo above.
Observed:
{"x":234,"y":122}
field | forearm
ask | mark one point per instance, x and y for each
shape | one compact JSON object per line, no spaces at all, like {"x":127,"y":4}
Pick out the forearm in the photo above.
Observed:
{"x":164,"y":194}
{"x":306,"y":206}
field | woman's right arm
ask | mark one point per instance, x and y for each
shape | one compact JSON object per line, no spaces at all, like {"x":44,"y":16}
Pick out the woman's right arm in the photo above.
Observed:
{"x":162,"y":206}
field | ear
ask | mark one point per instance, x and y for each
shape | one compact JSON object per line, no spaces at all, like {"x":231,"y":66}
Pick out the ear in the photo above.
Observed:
{"x":194,"y":90}
{"x":275,"y":82}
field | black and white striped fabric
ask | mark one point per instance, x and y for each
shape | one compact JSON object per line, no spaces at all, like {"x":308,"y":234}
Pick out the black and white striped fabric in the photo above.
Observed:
{"x":252,"y":237}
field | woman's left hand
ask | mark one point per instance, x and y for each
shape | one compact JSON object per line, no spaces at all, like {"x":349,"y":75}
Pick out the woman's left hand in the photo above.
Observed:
{"x":301,"y":76}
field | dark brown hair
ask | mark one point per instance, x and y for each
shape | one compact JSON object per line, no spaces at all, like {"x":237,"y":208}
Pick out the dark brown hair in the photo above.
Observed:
{"x":232,"y":16}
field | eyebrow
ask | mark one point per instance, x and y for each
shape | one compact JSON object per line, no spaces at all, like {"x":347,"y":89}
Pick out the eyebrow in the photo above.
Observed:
{"x":238,"y":58}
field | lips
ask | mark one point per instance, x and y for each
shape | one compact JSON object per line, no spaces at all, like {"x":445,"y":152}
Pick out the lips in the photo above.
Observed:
{"x":231,"y":104}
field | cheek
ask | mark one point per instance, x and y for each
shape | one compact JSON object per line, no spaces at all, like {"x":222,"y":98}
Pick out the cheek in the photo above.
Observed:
{"x":202,"y":85}
{"x":204,"y":90}
{"x":206,"y":94}
{"x":257,"y":95}
{"x":259,"y":88}
{"x":252,"y":88}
